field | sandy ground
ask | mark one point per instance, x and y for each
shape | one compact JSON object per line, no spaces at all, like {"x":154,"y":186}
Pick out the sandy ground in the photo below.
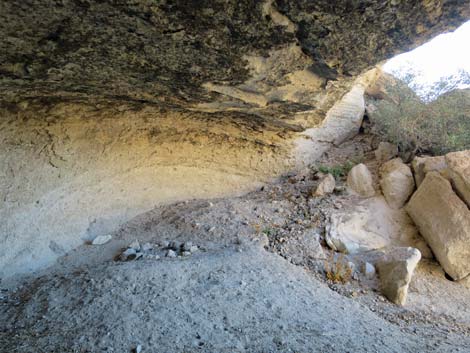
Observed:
{"x":256,"y":284}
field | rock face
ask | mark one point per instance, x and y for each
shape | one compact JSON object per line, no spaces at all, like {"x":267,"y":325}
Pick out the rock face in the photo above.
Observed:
{"x":444,"y":221}
{"x":397,"y":183}
{"x":326,"y":186}
{"x":155,"y":51}
{"x":360,"y":180}
{"x":459,"y":170}
{"x":423,"y":165}
{"x":395,"y":271}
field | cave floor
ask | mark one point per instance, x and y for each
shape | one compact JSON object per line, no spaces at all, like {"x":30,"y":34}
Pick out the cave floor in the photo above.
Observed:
{"x":252,"y":286}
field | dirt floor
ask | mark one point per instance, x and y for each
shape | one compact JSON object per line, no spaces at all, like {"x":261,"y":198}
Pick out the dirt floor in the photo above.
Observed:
{"x":252,"y":279}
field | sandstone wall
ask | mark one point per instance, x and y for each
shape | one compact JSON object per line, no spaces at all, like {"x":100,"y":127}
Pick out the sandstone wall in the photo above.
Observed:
{"x":73,"y":171}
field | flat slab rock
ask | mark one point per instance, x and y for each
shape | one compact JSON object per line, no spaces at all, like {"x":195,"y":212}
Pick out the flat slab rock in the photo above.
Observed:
{"x":372,"y":224}
{"x":443,"y":219}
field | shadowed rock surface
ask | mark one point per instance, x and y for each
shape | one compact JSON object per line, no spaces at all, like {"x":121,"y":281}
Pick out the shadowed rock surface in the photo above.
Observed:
{"x":163,"y":51}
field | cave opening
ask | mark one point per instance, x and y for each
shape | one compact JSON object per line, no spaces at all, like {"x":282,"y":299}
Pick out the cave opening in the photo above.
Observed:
{"x":436,"y":67}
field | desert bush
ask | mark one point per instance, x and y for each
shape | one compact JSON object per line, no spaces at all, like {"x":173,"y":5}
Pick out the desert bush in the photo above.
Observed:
{"x":337,"y":270}
{"x":338,"y":170}
{"x":438,"y":127}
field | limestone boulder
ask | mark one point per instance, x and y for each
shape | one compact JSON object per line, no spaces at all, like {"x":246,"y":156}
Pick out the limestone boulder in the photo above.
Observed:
{"x":395,"y":272}
{"x":459,"y":173}
{"x":386,"y":151}
{"x":397,"y":183}
{"x":423,"y":165}
{"x":360,"y":181}
{"x":443,"y":219}
{"x":326,"y":186}
{"x":372,"y":224}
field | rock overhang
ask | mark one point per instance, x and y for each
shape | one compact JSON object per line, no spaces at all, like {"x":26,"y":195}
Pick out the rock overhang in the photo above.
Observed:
{"x":109,"y":108}
{"x":163,"y":52}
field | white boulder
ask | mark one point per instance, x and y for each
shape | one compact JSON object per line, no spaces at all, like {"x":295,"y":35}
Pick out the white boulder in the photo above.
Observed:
{"x":372,"y":224}
{"x":360,"y":181}
{"x":397,"y":183}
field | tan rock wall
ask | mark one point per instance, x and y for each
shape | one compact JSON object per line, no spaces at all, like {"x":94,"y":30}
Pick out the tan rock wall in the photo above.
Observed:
{"x":72,"y":172}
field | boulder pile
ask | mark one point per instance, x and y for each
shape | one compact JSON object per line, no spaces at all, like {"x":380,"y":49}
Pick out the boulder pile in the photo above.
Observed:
{"x":439,"y":207}
{"x":440,"y":210}
{"x":431,"y":193}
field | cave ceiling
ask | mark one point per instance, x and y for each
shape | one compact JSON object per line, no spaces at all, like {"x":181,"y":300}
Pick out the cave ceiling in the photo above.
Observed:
{"x":180,"y":54}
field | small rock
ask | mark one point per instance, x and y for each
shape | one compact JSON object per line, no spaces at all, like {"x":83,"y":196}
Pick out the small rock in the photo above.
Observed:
{"x":101,"y":239}
{"x":186,"y":253}
{"x":171,"y":253}
{"x":340,"y":189}
{"x":395,"y":272}
{"x":369,"y":270}
{"x":174,"y":245}
{"x":147,"y":247}
{"x":164,"y":243}
{"x":135,"y":245}
{"x":129,"y":254}
{"x":138,"y":349}
{"x":194,"y":248}
{"x":187,"y":246}
{"x":326,"y":186}
{"x":397,"y":182}
{"x":360,"y":181}
{"x":386,"y":151}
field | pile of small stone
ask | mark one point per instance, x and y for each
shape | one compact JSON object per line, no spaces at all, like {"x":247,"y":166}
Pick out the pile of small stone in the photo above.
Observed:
{"x":175,"y":248}
{"x":135,"y":250}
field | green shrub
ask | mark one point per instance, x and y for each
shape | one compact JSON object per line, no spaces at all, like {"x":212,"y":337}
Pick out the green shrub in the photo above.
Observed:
{"x":339,"y":170}
{"x":438,"y":127}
